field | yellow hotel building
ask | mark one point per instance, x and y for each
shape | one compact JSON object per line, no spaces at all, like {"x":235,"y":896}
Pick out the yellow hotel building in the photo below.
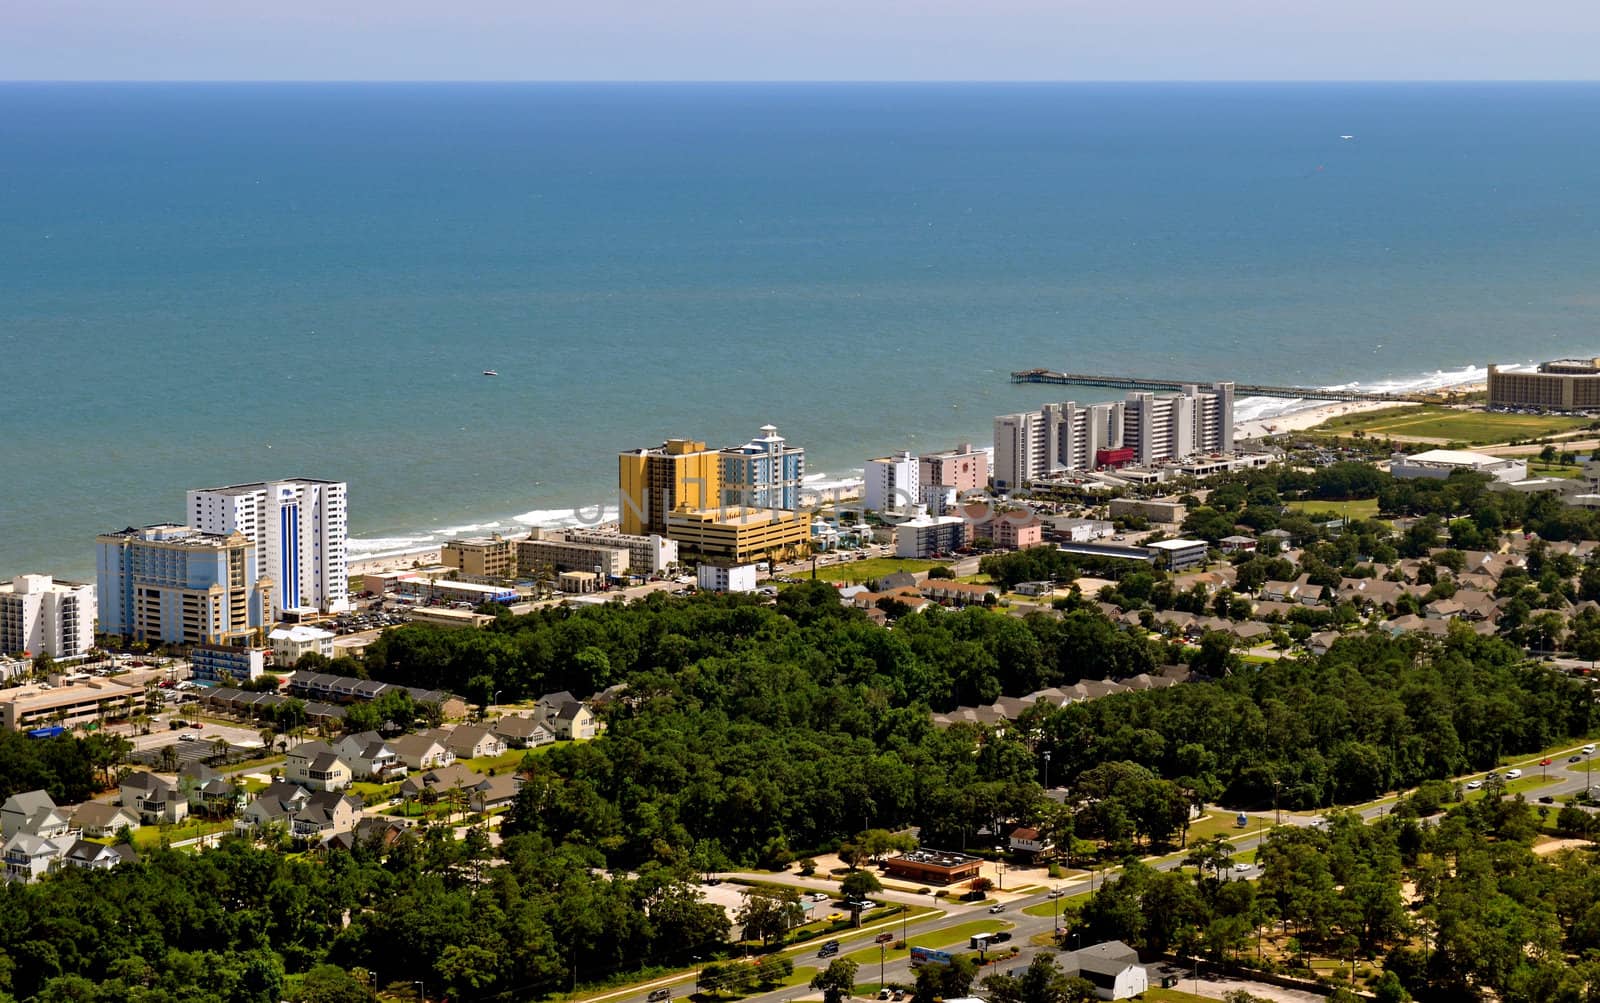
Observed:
{"x":679,"y":474}
{"x":741,"y":535}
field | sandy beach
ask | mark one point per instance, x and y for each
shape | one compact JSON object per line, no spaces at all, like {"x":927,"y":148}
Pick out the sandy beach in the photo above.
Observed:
{"x":1316,"y":414}
{"x":394,"y":562}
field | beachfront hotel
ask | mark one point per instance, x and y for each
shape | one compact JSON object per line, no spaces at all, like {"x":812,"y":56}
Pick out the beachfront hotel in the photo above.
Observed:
{"x":961,"y":469}
{"x":1561,"y":385}
{"x":176,"y":585}
{"x":299,"y":528}
{"x":680,"y":473}
{"x":1142,"y":428}
{"x":41,"y":616}
{"x":892,"y":483}
{"x":765,"y":472}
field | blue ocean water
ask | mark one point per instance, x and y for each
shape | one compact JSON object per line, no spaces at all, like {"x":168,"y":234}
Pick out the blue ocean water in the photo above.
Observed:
{"x":210,"y":283}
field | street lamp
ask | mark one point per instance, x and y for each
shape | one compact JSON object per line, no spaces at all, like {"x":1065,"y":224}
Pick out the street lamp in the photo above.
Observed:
{"x":422,"y":991}
{"x":883,"y":950}
{"x":1055,"y":907}
{"x":1275,"y":809}
{"x":1047,"y":769}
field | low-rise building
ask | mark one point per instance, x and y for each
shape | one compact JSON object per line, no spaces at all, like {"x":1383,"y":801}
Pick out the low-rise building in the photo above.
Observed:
{"x":154,"y":799}
{"x":924,"y":535}
{"x":648,"y":553}
{"x":32,"y":812}
{"x":934,"y":867}
{"x":28,"y":857}
{"x":24,"y":708}
{"x":481,"y":557}
{"x":550,"y":552}
{"x":1176,"y":555}
{"x":1438,"y":464}
{"x":422,"y":752}
{"x":1075,"y":530}
{"x":741,"y":535}
{"x":292,"y":642}
{"x":579,"y":583}
{"x":226,"y":663}
{"x":92,"y":856}
{"x":573,"y":720}
{"x":959,"y":593}
{"x":1160,"y":510}
{"x":100,"y":820}
{"x":523,"y":732}
{"x":471,"y":741}
{"x":717,"y":578}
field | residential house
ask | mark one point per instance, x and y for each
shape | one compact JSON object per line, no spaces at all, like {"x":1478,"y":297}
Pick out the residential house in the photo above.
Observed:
{"x":443,"y":780}
{"x":372,"y":830}
{"x":34,"y":813}
{"x":522,"y":732}
{"x":495,"y":792}
{"x":154,"y":799}
{"x":1237,"y":544}
{"x":422,"y":752}
{"x":100,"y":820}
{"x":370,"y":757}
{"x":575,"y":721}
{"x":322,"y":815}
{"x":92,"y":856}
{"x":316,"y":766}
{"x":275,"y":805}
{"x":1284,"y":592}
{"x":28,"y":857}
{"x":471,"y":741}
{"x":1029,"y":840}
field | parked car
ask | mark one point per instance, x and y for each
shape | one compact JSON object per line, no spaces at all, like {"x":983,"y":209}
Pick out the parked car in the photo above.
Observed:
{"x":1574,"y":759}
{"x":1547,"y":799}
{"x":1000,"y":937}
{"x":1473,"y":785}
{"x":188,"y":737}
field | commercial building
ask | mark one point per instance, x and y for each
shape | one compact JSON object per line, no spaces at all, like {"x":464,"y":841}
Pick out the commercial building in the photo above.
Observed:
{"x":299,"y":531}
{"x":481,"y":556}
{"x":226,"y":663}
{"x":1562,"y":385}
{"x":41,"y":616}
{"x":648,"y":554}
{"x":428,"y":588}
{"x":24,"y":708}
{"x":178,"y":585}
{"x":556,"y":554}
{"x":1176,"y":555}
{"x":934,"y":867}
{"x":734,"y":578}
{"x":1149,"y":509}
{"x":1142,"y":428}
{"x":578,"y":583}
{"x":1438,"y":464}
{"x":891,"y":483}
{"x":741,"y":535}
{"x":678,"y":474}
{"x":763,"y":473}
{"x":925,"y":535}
{"x":962,"y":468}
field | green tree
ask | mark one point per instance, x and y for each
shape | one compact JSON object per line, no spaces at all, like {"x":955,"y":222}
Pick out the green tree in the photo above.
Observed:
{"x":837,"y":981}
{"x":857,"y":885}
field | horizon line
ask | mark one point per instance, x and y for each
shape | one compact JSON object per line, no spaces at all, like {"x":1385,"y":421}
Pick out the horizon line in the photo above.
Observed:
{"x":798,"y":81}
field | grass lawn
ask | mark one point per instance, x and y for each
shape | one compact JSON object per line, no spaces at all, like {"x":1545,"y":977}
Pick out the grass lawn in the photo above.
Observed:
{"x":148,"y":837}
{"x":1430,"y":422}
{"x":873,"y":567}
{"x":1360,"y":508}
{"x":1219,"y":823}
{"x":507,"y":760}
{"x":1159,"y":995}
{"x":1554,"y":470}
{"x":1526,"y":783}
{"x":1049,"y":908}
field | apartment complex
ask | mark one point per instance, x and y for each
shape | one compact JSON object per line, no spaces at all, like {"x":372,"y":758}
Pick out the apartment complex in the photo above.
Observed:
{"x":557,"y":554}
{"x":926,"y":535}
{"x":481,"y":557}
{"x":765,"y":472}
{"x":680,"y":473}
{"x":962,"y":468}
{"x":41,"y":616}
{"x":299,"y":531}
{"x":1561,"y":385}
{"x":1143,"y":428}
{"x":741,"y":535}
{"x":178,"y":585}
{"x":892,"y":483}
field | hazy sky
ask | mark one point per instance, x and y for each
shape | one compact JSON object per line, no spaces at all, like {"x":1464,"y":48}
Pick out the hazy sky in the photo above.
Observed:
{"x":798,"y":39}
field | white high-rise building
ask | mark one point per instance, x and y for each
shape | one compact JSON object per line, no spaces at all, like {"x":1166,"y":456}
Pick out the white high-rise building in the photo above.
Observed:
{"x":1069,"y":436}
{"x":892,"y":483}
{"x":299,"y":528}
{"x":42,"y":616}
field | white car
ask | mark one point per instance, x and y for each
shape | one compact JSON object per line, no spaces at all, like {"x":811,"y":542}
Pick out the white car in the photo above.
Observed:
{"x":1588,"y":750}
{"x":1241,"y":867}
{"x":1473,"y":785}
{"x":1513,"y":774}
{"x":188,"y":736}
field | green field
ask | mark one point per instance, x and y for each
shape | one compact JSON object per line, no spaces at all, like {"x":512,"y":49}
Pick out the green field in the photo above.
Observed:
{"x":873,"y":567}
{"x":1554,"y":470}
{"x":1450,"y":425}
{"x":1359,"y":508}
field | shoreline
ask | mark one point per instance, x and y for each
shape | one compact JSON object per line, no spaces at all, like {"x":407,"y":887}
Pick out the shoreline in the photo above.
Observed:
{"x":1309,"y":417}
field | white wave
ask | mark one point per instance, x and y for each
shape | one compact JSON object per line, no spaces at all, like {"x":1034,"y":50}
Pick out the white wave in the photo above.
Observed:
{"x":853,"y":480}
{"x":1256,"y":408}
{"x":560,"y":518}
{"x":381,"y":546}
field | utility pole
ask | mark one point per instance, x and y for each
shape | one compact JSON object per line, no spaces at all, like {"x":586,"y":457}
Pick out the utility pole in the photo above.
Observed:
{"x":1275,"y":809}
{"x":883,"y":950}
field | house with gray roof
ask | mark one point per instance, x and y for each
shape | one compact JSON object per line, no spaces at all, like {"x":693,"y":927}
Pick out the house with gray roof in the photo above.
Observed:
{"x":522,"y":732}
{"x":28,"y":857}
{"x":92,"y":856}
{"x":100,"y":820}
{"x":32,"y":812}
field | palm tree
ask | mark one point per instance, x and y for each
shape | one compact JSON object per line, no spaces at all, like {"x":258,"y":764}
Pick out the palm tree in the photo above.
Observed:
{"x":169,"y":758}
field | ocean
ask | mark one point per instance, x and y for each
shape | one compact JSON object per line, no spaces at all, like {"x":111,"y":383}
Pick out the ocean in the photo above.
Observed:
{"x":206,"y":284}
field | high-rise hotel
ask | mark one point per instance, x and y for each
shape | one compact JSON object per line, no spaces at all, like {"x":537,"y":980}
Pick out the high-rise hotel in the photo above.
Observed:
{"x":177,"y":585}
{"x":299,"y":530}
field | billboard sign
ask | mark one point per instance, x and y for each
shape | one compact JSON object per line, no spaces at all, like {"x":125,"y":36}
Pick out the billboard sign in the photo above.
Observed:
{"x":926,"y":956}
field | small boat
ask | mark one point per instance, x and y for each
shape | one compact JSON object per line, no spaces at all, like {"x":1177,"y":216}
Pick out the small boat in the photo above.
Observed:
{"x":490,"y":372}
